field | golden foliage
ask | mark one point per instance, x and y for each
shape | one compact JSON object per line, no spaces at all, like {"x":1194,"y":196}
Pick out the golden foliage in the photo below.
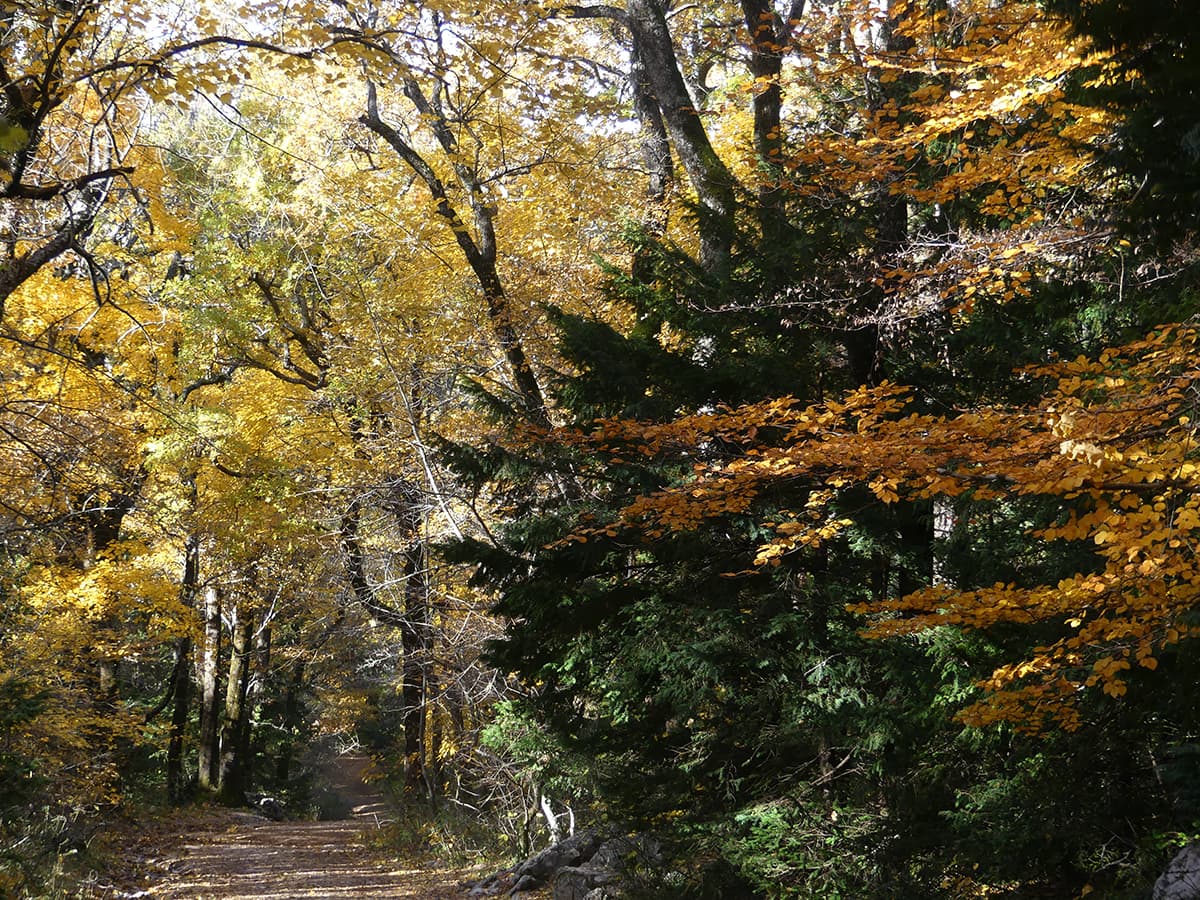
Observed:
{"x":1114,"y":439}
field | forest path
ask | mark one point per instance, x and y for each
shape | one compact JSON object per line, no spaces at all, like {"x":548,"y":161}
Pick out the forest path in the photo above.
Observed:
{"x":238,"y":855}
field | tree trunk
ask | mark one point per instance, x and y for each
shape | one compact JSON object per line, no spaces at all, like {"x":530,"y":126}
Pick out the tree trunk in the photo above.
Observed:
{"x":107,"y":681}
{"x":234,"y":726}
{"x":433,"y":727}
{"x":655,"y":146}
{"x":182,"y":677}
{"x":656,"y":156}
{"x":945,"y":521}
{"x":208,"y":759}
{"x":254,"y":693}
{"x":863,"y":346}
{"x":769,"y":39}
{"x":478,"y":249}
{"x":415,"y":643}
{"x":102,"y":529}
{"x":655,"y":72}
{"x":291,"y":723}
{"x":711,"y":180}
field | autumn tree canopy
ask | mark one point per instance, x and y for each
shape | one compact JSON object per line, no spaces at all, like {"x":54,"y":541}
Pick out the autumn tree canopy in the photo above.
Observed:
{"x":768,"y":426}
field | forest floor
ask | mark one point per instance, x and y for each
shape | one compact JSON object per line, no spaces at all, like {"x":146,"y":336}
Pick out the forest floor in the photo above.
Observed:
{"x":225,"y":854}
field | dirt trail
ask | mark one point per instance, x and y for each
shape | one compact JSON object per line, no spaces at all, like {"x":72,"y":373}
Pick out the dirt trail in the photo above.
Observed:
{"x":245,"y":856}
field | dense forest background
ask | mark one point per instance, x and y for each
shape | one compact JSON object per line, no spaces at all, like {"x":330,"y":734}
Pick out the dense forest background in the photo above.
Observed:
{"x":769,"y":426}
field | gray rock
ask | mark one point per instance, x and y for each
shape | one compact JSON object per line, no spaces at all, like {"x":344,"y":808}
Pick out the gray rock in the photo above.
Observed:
{"x":573,"y":851}
{"x":622,"y":854}
{"x":580,"y":882}
{"x":271,"y":808}
{"x":491,"y":886}
{"x":525,"y":883}
{"x":590,"y":865}
{"x":602,"y":876}
{"x":604,"y":893}
{"x":1181,"y":880}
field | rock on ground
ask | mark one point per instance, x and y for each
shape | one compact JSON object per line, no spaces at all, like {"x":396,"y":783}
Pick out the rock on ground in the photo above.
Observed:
{"x":1181,"y":880}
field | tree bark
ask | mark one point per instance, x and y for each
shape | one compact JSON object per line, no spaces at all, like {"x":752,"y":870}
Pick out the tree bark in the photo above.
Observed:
{"x":655,"y":145}
{"x":433,"y":727}
{"x":657,"y":67}
{"x":182,"y":678}
{"x":863,"y":343}
{"x":660,"y":173}
{"x":770,"y":37}
{"x":234,"y":725}
{"x":208,"y":758}
{"x":291,"y":723}
{"x":943,"y":525}
{"x":188,"y":591}
{"x":257,"y":684}
{"x":478,"y":250}
{"x":414,"y":640}
{"x":710,"y":178}
{"x":100,"y":530}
